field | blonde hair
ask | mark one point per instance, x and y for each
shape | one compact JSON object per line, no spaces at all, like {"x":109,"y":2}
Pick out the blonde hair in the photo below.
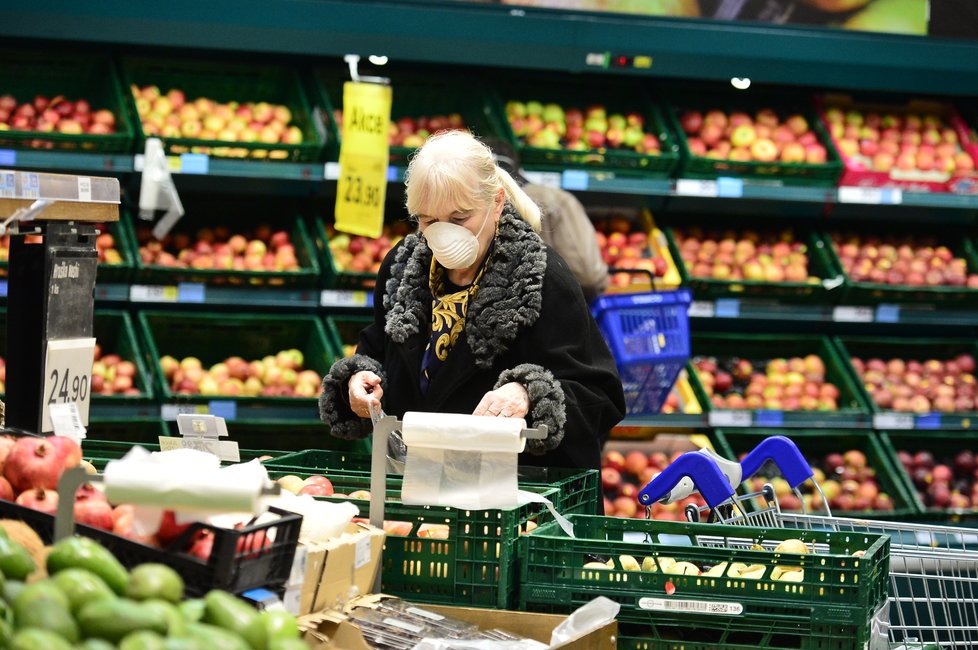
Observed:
{"x":455,"y":169}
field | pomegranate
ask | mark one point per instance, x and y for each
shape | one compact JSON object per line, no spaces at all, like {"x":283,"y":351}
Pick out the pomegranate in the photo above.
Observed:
{"x":169,"y":528}
{"x":6,"y":492}
{"x":6,"y":444}
{"x":122,"y":518}
{"x":88,"y":492}
{"x":39,"y":499}
{"x":68,"y":449}
{"x":95,"y":513}
{"x":203,"y":545}
{"x":33,"y":463}
{"x":253,"y":544}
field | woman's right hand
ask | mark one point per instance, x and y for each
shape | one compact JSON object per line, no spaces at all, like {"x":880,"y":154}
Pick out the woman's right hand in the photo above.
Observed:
{"x":364,"y":389}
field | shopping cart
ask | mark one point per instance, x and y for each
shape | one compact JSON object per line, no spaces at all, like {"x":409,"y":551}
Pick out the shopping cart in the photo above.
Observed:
{"x":933,"y":586}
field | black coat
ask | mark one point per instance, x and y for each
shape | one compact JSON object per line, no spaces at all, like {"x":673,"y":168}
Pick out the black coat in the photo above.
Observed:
{"x":528,"y":323}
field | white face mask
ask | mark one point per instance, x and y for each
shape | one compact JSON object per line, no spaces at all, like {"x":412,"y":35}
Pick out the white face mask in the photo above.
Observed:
{"x":454,"y":246}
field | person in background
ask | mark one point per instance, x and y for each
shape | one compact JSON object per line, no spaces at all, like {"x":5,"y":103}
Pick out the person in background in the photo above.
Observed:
{"x":474,"y":314}
{"x":566,"y":226}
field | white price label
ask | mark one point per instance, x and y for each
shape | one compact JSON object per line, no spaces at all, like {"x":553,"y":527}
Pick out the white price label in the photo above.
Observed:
{"x":153,"y":293}
{"x":170,"y":412}
{"x":892,"y":421}
{"x":66,"y":421}
{"x":335,"y":298}
{"x":67,"y":377}
{"x":84,"y":188}
{"x":363,"y":553}
{"x":695,"y":187}
{"x":331,"y":171}
{"x":548,"y":179}
{"x":701,"y":309}
{"x":852,"y":314}
{"x":729,"y":418}
{"x":871,"y":195}
{"x":696,"y":606}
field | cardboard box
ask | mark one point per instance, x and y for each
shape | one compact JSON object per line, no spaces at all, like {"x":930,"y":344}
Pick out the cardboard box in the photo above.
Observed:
{"x":339,"y":569}
{"x":335,"y":633}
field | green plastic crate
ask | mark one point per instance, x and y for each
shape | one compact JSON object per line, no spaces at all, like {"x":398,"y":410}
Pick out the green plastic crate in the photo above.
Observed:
{"x":213,"y":337}
{"x":99,"y":452}
{"x":307,"y":275}
{"x":121,"y":272}
{"x":345,"y":330}
{"x":815,"y":445}
{"x":477,"y":565}
{"x":338,"y":278}
{"x":114,"y":332}
{"x":819,"y":265}
{"x":123,"y":431}
{"x":415,"y":95}
{"x":617,"y":97}
{"x":944,"y":445}
{"x":853,"y":409}
{"x":907,"y":348}
{"x":26,"y":74}
{"x":838,"y":590}
{"x":804,"y":174}
{"x":862,"y":293}
{"x":227,"y":82}
{"x":292,"y":437}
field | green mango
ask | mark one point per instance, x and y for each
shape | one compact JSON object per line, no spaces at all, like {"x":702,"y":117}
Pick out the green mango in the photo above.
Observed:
{"x":15,"y":562}
{"x":42,"y":605}
{"x":193,"y":609}
{"x":155,"y":581}
{"x":83,"y":553}
{"x":43,"y":590}
{"x":269,"y":627}
{"x":6,"y":633}
{"x":82,"y":587}
{"x":228,"y":611}
{"x":96,"y":644}
{"x":11,"y":588}
{"x":184,"y":643}
{"x":35,"y":639}
{"x":289,"y":644}
{"x":112,"y":620}
{"x":176,"y":625}
{"x":142,"y":640}
{"x":216,"y":638}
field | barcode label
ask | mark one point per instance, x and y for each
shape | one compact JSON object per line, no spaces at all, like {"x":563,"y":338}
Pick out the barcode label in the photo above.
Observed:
{"x":852,"y":314}
{"x":153,"y":293}
{"x":697,"y":606}
{"x":549,"y":179}
{"x":872,"y":195}
{"x":701,"y":309}
{"x":171,"y":411}
{"x":334,"y":298}
{"x":729,"y":418}
{"x":892,"y":421}
{"x":694,"y":187}
{"x":84,"y":188}
{"x":66,"y":421}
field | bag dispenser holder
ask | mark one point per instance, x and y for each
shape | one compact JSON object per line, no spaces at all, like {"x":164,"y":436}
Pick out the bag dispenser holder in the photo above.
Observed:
{"x":157,"y":190}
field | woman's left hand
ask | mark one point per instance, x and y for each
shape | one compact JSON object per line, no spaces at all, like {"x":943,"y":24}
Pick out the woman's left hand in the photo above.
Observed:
{"x":508,"y":401}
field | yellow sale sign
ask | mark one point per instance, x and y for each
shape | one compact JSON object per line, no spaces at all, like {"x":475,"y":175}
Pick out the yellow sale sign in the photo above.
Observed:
{"x":362,"y":184}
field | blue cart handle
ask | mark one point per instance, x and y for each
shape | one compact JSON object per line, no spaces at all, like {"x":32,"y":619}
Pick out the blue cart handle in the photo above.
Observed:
{"x":785,"y":454}
{"x":701,"y":469}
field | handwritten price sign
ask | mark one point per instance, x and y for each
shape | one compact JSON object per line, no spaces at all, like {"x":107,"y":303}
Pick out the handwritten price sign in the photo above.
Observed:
{"x":67,"y":377}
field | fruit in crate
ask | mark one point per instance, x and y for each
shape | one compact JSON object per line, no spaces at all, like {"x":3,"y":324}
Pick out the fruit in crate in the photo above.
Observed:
{"x":552,"y":126}
{"x":948,"y":482}
{"x":765,"y":136}
{"x":912,"y":386}
{"x":260,"y":249}
{"x":174,"y":115}
{"x":795,"y":384}
{"x":412,"y":131}
{"x":623,"y":475}
{"x":747,"y":255}
{"x":918,"y":261}
{"x":848,"y":481}
{"x":624,"y":245}
{"x":358,"y":254}
{"x":113,"y":375}
{"x":277,"y":375}
{"x":908,"y":144}
{"x":104,"y":246}
{"x":56,"y":114}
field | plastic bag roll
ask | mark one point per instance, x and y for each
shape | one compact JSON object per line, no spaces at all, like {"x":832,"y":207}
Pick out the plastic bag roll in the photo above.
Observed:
{"x":458,"y":432}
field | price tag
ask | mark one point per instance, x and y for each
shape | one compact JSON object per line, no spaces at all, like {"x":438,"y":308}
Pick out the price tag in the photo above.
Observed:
{"x":547,"y":179}
{"x":66,"y":421}
{"x":8,"y":157}
{"x":928,"y":421}
{"x":194,"y":163}
{"x":84,"y":188}
{"x":362,"y":555}
{"x":170,"y":412}
{"x":67,"y":376}
{"x":701,"y":309}
{"x":732,"y":188}
{"x":362,"y":184}
{"x":336,"y":298}
{"x":852,"y":314}
{"x":871,"y":195}
{"x":331,"y":171}
{"x":574,"y":179}
{"x":767,"y":418}
{"x":729,"y":418}
{"x":728,"y":308}
{"x":226,"y":450}
{"x":887,"y":313}
{"x":694,"y":187}
{"x":190,"y":292}
{"x":893,"y":421}
{"x":153,"y":293}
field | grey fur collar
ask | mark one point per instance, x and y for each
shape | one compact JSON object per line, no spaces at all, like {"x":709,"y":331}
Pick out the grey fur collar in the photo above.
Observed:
{"x":510,"y":294}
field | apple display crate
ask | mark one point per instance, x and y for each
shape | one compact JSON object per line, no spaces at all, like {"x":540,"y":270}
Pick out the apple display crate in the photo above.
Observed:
{"x":815,"y":445}
{"x":758,"y":349}
{"x":227,"y":82}
{"x":648,"y":334}
{"x":213,"y":337}
{"x":944,"y":446}
{"x":820,"y":268}
{"x":918,"y":349}
{"x":450,"y":556}
{"x":865,"y":292}
{"x":240,"y":220}
{"x":801,"y":173}
{"x":617,"y":97}
{"x":28,"y":74}
{"x":115,"y":334}
{"x":835,"y":605}
{"x":415,"y":95}
{"x":855,"y":170}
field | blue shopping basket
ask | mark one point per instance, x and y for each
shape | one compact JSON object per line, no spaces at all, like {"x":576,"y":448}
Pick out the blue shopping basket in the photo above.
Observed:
{"x":648,"y":334}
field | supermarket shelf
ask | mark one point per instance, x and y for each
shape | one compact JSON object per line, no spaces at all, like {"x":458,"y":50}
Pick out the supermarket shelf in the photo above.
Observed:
{"x":192,"y":293}
{"x":114,"y":409}
{"x":301,"y":410}
{"x":736,"y":419}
